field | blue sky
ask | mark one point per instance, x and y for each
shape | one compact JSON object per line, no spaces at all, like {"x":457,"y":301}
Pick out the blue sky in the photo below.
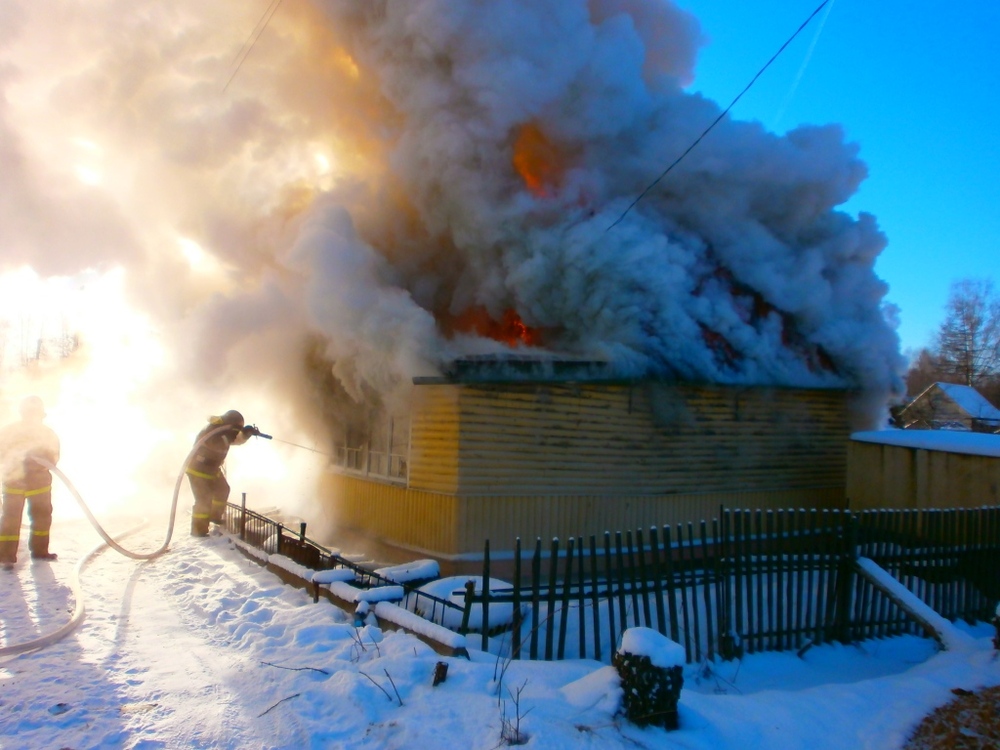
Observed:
{"x":917,"y":86}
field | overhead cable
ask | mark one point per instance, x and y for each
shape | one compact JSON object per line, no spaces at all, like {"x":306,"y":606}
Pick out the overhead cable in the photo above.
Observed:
{"x":719,"y":118}
{"x":251,"y":40}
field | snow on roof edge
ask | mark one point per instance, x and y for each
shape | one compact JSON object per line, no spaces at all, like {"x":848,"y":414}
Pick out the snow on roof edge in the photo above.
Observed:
{"x":967,"y":443}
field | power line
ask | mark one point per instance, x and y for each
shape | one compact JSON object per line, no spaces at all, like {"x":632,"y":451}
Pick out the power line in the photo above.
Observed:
{"x":805,"y":64}
{"x":715,"y":122}
{"x":251,"y":40}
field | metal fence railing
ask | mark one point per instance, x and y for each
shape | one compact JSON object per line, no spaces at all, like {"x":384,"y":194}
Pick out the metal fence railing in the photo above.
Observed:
{"x":273,"y":537}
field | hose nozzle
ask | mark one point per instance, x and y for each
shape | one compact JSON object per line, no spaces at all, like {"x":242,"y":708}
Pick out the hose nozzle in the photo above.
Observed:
{"x":251,"y":429}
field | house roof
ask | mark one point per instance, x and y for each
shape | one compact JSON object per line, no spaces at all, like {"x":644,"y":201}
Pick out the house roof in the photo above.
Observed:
{"x":547,"y":367}
{"x":948,"y":441}
{"x":969,"y":400}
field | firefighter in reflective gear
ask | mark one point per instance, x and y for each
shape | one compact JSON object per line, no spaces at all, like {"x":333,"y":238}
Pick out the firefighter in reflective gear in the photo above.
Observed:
{"x":26,"y":480}
{"x":205,"y":470}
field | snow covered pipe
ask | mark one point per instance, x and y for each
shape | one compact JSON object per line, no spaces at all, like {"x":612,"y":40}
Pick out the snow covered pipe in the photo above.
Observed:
{"x":80,"y":609}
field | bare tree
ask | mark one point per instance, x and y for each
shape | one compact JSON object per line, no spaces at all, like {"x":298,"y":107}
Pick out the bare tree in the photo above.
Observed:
{"x":968,"y":342}
{"x":925,"y":369}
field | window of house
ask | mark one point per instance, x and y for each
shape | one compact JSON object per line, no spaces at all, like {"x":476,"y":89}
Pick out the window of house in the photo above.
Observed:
{"x":379,"y":449}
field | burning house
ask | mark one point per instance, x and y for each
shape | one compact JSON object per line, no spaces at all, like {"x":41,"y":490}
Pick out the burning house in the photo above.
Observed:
{"x":520,"y":348}
{"x":425,"y":236}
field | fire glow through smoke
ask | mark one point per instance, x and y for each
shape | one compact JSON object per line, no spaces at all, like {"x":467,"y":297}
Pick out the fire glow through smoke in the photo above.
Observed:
{"x":537,"y":161}
{"x":410,"y":182}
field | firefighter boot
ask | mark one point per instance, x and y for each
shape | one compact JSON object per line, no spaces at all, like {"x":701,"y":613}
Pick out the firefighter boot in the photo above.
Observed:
{"x":40,"y":514}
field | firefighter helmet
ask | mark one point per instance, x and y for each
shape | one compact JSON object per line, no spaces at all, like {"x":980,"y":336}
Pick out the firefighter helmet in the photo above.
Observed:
{"x":32,"y":408}
{"x":234,"y":418}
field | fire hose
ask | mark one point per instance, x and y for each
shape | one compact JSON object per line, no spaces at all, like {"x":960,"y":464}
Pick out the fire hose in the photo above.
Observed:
{"x":80,"y":609}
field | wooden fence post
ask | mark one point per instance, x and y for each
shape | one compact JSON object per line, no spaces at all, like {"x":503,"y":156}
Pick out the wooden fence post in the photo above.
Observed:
{"x":486,"y":597}
{"x":536,"y":575}
{"x":845,"y":577}
{"x":243,"y":518}
{"x":515,"y":646}
{"x":550,"y":599}
{"x":470,"y":595}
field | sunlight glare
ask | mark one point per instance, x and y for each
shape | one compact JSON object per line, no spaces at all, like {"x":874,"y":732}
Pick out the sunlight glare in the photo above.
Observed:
{"x":86,"y":352}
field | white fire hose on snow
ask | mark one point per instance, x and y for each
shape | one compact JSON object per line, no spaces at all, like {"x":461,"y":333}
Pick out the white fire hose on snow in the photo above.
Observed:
{"x":79,"y":611}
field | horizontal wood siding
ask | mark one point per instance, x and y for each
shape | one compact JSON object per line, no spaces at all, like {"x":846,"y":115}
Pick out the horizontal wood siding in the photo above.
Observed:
{"x":448,"y":526}
{"x":889,"y":476}
{"x":647,"y":439}
{"x":391,"y":514}
{"x":503,"y":519}
{"x":434,"y":429}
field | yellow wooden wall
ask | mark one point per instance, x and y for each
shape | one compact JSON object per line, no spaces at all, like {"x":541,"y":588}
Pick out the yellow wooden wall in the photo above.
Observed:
{"x":434,"y":430}
{"x":521,"y":439}
{"x":402,"y":522}
{"x":890,"y":476}
{"x":391,"y":514}
{"x":498,"y":461}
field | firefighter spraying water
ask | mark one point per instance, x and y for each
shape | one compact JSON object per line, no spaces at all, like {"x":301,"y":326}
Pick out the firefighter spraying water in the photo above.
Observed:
{"x":29,"y":451}
{"x":205,"y":468}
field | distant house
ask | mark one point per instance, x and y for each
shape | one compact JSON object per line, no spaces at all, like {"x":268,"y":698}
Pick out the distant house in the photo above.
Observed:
{"x":947,"y":406}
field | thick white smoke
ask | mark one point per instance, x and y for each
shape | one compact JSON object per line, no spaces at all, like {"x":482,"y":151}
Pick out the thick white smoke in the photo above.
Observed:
{"x":737,"y":268}
{"x":374,"y":172}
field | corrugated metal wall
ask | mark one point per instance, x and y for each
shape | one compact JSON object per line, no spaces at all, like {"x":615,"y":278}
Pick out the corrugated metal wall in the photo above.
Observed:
{"x":889,"y":476}
{"x":448,"y":526}
{"x":520,"y":439}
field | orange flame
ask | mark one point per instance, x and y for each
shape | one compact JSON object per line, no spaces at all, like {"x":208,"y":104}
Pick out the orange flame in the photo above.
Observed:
{"x":537,"y":160}
{"x":510,"y":329}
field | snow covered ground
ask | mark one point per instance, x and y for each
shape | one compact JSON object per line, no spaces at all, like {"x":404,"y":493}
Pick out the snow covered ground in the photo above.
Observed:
{"x":202,"y":648}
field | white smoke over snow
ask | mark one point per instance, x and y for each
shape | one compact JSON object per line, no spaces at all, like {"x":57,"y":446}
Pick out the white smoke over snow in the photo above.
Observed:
{"x":388,"y":178}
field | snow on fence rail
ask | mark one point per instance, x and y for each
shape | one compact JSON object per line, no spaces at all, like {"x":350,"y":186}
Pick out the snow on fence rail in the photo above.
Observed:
{"x":750,"y":580}
{"x":331,"y":571}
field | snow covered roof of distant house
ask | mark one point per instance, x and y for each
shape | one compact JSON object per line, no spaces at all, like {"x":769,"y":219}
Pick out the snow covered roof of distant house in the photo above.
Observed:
{"x":968,"y":399}
{"x":949,"y":441}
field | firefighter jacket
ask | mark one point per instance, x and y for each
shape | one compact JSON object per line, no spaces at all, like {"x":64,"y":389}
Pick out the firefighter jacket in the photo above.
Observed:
{"x":211,"y":455}
{"x":19,"y":443}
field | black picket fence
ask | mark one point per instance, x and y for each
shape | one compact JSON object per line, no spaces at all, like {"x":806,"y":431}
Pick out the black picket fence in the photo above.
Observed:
{"x":746,"y":581}
{"x":273,"y":537}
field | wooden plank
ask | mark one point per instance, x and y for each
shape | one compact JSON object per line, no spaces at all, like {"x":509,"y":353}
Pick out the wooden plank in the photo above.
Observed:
{"x":486,"y":598}
{"x":536,"y":584}
{"x":735,"y":523}
{"x":710,"y":629}
{"x":801,"y":565}
{"x":778,"y":569}
{"x":812,"y":574}
{"x":581,"y":602}
{"x":594,"y":598}
{"x":657,"y":573}
{"x":515,"y":649}
{"x":550,"y":600}
{"x":567,"y":583}
{"x":759,"y":567}
{"x":692,"y":588}
{"x":620,"y":580}
{"x":668,"y":562}
{"x":609,"y":577}
{"x":903,"y":603}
